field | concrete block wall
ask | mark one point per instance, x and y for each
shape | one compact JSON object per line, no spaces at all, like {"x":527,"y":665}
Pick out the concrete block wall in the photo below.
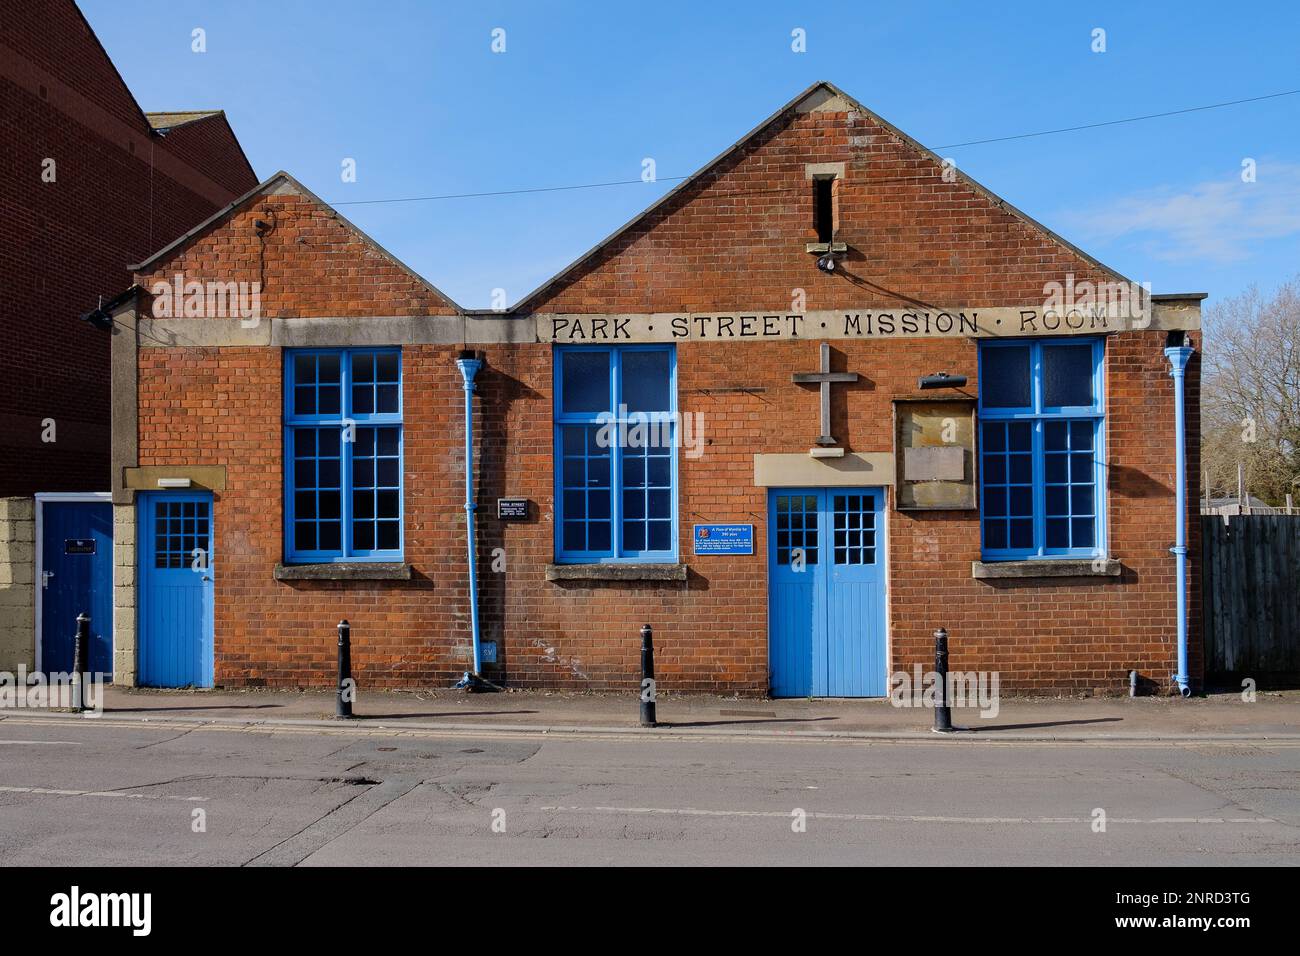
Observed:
{"x":124,"y":661}
{"x":17,"y":582}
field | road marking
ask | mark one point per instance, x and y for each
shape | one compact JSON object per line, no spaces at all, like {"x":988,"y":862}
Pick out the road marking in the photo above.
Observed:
{"x":50,"y":792}
{"x":901,"y":818}
{"x":43,"y":743}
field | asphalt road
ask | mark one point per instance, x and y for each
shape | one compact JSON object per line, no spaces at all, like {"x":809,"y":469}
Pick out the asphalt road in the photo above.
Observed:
{"x":100,"y":792}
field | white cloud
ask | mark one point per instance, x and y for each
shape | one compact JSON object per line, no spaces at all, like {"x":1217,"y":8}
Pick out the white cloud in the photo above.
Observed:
{"x":1219,"y":220}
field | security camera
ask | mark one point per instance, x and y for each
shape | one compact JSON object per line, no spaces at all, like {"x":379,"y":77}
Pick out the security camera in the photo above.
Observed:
{"x":826,"y":263}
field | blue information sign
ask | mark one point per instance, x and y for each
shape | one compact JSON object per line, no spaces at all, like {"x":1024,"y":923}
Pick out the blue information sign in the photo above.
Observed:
{"x":724,"y":539}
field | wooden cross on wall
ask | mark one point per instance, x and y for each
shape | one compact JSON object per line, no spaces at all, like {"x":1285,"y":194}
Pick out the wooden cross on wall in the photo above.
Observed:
{"x":824,"y":378}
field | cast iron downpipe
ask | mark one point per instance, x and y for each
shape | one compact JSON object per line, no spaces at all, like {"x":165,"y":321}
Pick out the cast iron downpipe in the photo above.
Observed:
{"x":1178,"y":355}
{"x":469,"y":367}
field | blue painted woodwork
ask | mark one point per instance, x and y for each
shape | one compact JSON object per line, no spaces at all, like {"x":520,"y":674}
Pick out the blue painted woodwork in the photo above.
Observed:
{"x":176,"y":572}
{"x":826,"y":603}
{"x":77,"y":560}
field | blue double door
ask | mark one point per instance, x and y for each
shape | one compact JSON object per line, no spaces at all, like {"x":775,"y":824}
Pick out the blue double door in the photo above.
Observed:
{"x":826,"y":601}
{"x":76,"y":578}
{"x":176,"y":572}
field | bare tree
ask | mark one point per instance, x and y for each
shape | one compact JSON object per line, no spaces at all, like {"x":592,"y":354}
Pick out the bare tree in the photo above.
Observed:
{"x":1250,"y":395}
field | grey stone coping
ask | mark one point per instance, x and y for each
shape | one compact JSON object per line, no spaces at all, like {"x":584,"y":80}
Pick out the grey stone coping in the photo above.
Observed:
{"x":345,"y":571}
{"x":616,"y":572}
{"x":1048,"y":568}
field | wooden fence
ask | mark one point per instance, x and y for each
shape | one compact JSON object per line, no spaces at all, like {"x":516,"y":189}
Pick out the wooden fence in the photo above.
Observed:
{"x":1251,"y":598}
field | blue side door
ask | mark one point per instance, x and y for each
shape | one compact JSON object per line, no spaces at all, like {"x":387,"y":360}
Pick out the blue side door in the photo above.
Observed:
{"x":176,"y":589}
{"x":76,"y":578}
{"x":795,"y":600}
{"x":826,"y":604}
{"x":855,"y":585}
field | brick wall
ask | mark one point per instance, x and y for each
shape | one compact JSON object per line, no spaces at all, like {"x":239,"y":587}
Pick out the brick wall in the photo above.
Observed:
{"x":735,"y":241}
{"x":222,"y":406}
{"x":120,"y":193}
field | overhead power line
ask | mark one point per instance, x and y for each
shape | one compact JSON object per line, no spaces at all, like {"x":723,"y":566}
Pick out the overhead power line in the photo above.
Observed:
{"x":508,"y":192}
{"x":1131,"y":119}
{"x":973,"y":142}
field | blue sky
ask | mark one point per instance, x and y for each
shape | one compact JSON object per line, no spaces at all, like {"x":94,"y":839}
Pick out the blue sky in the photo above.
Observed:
{"x":585,"y":91}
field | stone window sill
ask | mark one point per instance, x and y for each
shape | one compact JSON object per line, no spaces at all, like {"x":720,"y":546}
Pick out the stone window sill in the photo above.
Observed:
{"x":1047,"y":568}
{"x":616,"y":572}
{"x":345,"y":571}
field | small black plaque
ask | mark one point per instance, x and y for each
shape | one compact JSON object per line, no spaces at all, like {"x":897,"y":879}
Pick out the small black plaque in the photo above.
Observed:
{"x":512,"y":509}
{"x":78,"y":545}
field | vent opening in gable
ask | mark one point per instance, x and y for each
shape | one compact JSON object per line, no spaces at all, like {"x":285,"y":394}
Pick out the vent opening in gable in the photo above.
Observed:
{"x":824,"y":207}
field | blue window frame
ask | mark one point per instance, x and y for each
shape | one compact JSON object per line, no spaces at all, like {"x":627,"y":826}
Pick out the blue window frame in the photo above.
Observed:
{"x":615,"y":454}
{"x":343,"y":450}
{"x":1042,"y":475}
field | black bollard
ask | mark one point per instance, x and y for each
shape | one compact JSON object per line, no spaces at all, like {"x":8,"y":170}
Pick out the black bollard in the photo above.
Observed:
{"x":942,"y":710}
{"x":346,"y":689}
{"x":80,"y":661}
{"x":648,"y":678}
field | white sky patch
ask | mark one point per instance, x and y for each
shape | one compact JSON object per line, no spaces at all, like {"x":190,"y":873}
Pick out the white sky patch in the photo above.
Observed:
{"x":1219,"y":220}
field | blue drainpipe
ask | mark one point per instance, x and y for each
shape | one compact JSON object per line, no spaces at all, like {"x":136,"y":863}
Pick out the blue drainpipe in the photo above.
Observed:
{"x":1178,"y":356}
{"x":469,"y":367}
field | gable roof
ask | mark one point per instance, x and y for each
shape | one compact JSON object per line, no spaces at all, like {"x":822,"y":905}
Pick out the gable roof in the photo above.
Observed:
{"x":163,"y":123}
{"x":818,"y":95}
{"x":266,"y":187}
{"x":159,"y":121}
{"x":170,"y":120}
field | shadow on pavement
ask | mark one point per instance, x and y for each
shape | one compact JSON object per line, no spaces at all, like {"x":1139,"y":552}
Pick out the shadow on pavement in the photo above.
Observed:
{"x":728,"y":723}
{"x":445,"y":713}
{"x":1052,"y":723}
{"x":150,"y":710}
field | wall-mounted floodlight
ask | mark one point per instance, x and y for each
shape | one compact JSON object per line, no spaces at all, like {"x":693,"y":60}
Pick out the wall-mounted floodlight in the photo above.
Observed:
{"x":99,"y":319}
{"x":173,"y":482}
{"x":943,"y":380}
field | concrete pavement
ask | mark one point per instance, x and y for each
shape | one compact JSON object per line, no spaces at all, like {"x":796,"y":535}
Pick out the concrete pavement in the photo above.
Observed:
{"x":126,"y":792}
{"x":1272,"y":715}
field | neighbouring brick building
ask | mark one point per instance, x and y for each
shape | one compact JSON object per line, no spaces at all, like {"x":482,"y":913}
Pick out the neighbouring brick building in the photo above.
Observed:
{"x":90,"y":184}
{"x":825,"y":396}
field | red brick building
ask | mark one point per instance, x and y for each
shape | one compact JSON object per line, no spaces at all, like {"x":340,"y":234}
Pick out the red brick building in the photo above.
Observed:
{"x":90,"y":184}
{"x":827,"y":395}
